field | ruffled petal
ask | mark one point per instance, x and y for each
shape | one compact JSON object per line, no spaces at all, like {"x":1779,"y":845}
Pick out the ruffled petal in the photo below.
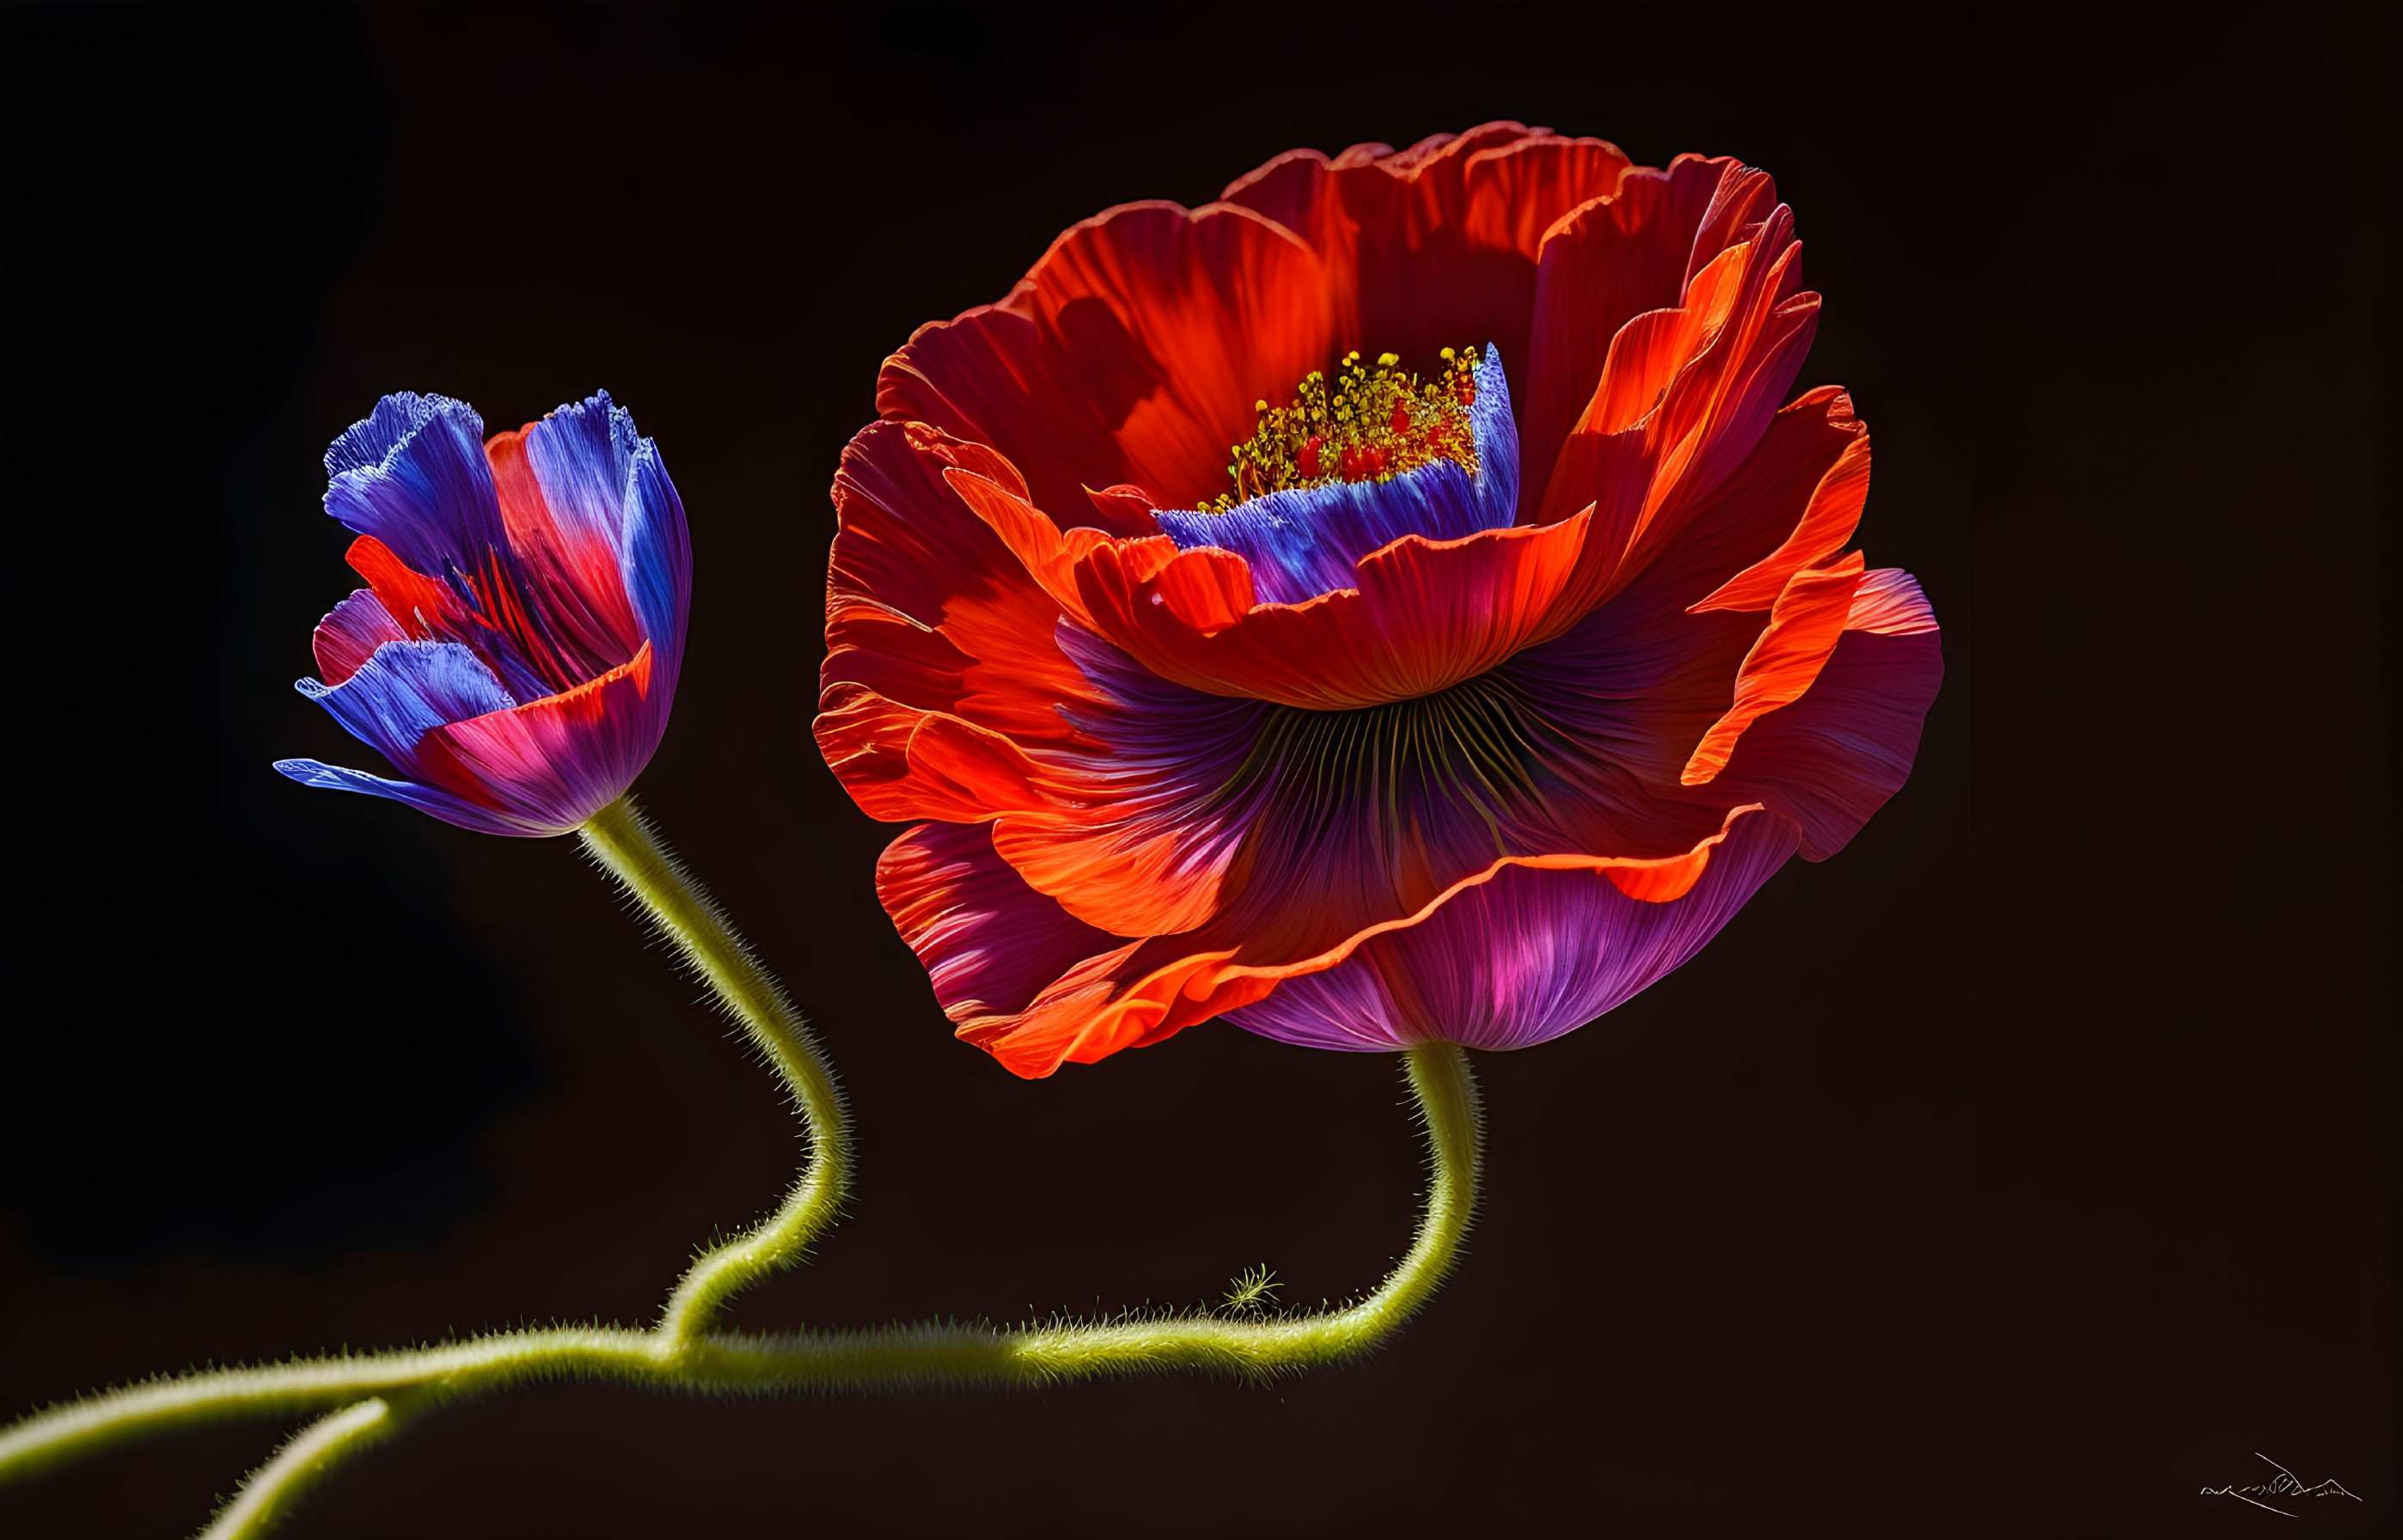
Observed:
{"x":413,"y":475}
{"x":1010,"y":968}
{"x":1685,"y":396}
{"x":1144,"y":843}
{"x":927,"y":608}
{"x":436,"y":713}
{"x":1517,"y":961}
{"x":1434,"y":245}
{"x":655,"y":558}
{"x":1612,"y":260}
{"x":1828,"y":761}
{"x":1815,"y":456}
{"x":608,"y":493}
{"x":1130,"y":354}
{"x":406,"y":690}
{"x":1423,"y":614}
{"x":901,"y":763}
{"x":1803,"y":630}
{"x":1144,"y":991}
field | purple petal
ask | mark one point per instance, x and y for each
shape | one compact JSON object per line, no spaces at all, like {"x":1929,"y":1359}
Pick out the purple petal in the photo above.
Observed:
{"x":406,"y":689}
{"x":1517,"y":960}
{"x":990,"y":944}
{"x":414,"y":476}
{"x":441,"y":804}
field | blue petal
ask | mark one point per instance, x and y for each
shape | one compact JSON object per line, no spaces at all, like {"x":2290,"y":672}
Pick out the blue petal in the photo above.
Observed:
{"x":581,"y":455}
{"x":407,"y":689}
{"x":414,"y":476}
{"x":656,"y":556}
{"x":603,"y":479}
{"x":441,"y":804}
{"x":1304,"y":543}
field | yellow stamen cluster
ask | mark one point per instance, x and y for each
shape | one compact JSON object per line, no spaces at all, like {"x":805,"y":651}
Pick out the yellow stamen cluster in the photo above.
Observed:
{"x":1373,"y":425}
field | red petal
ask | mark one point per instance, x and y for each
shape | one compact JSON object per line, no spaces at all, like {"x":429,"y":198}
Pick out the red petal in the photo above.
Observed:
{"x":900,"y":763}
{"x":1684,"y":400}
{"x":350,"y":634}
{"x":1426,"y":614}
{"x":562,"y":758}
{"x":422,"y":605}
{"x":1434,"y":245}
{"x":1791,"y":468}
{"x":1830,"y":760}
{"x":927,"y":606}
{"x":1132,"y":872}
{"x":992,"y":945}
{"x":1803,"y":627}
{"x":1608,"y":263}
{"x":1133,"y":353}
{"x":575,"y":582}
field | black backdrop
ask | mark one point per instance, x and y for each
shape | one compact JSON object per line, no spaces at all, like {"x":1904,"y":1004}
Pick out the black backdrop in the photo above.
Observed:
{"x":2022,"y":1171}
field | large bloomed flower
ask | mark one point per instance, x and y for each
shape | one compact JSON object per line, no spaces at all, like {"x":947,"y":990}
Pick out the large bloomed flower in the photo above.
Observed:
{"x":1515,"y":648}
{"x":514,"y":653}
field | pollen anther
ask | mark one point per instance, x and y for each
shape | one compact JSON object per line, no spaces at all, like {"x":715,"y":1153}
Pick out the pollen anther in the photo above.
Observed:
{"x":1371,"y":424}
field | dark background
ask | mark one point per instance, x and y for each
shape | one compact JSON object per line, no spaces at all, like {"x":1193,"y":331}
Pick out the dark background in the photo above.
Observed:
{"x":2022,"y":1171}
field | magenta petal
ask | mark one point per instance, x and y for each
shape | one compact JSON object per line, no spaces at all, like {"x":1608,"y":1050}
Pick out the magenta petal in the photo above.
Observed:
{"x":989,"y":942}
{"x":351,"y":633}
{"x":1519,"y":960}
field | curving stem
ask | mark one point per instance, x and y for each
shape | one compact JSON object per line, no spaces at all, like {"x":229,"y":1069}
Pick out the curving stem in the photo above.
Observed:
{"x":366,"y":1397}
{"x":623,"y":843}
{"x":269,"y":1493}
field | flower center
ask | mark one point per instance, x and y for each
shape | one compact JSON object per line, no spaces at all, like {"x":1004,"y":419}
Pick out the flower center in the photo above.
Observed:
{"x":1370,"y":424}
{"x":1467,"y":759}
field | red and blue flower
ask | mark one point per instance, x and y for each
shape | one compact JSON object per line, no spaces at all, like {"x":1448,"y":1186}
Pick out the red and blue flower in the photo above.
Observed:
{"x":514,"y":654}
{"x":1458,"y":710}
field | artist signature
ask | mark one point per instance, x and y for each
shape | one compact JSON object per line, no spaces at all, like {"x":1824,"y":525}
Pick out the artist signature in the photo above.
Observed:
{"x":2285,"y":1485}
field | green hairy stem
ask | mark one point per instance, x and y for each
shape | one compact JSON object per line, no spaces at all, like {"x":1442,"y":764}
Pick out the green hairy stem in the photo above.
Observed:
{"x":365,"y":1398}
{"x":622,"y":842}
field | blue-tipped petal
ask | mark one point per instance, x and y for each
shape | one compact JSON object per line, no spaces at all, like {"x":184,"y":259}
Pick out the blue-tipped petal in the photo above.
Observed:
{"x":593,"y":578}
{"x":602,"y":479}
{"x":441,"y":804}
{"x":414,"y":476}
{"x":406,"y":690}
{"x":1303,"y":543}
{"x":582,"y":454}
{"x":657,"y":559}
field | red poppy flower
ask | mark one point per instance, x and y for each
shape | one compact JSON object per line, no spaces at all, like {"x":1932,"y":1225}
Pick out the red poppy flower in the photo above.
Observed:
{"x":1478,"y":690}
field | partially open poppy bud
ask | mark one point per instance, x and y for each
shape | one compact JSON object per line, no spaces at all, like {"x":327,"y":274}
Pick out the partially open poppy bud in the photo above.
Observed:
{"x":514,"y":653}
